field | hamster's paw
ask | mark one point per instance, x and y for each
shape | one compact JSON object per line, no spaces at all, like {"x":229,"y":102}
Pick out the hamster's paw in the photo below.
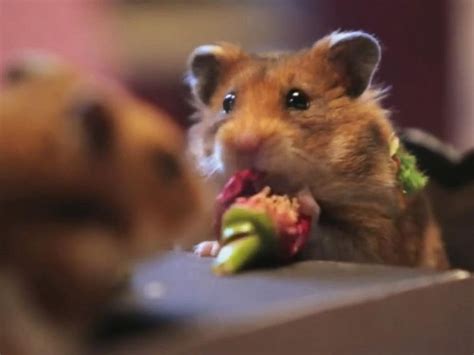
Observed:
{"x":207,"y":248}
{"x":308,"y":204}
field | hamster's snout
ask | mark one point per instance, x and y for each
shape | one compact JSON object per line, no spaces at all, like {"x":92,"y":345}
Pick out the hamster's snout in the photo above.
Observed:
{"x":242,"y":150}
{"x":246,"y":143}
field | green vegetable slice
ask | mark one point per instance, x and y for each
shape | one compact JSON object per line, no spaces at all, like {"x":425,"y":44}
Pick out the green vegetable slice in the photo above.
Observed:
{"x":237,"y":254}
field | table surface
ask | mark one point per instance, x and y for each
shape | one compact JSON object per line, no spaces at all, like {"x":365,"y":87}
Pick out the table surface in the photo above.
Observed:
{"x":178,"y":292}
{"x":182,"y":285}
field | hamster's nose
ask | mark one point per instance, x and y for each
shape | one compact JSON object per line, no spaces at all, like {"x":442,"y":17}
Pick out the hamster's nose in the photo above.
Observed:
{"x":247,"y":143}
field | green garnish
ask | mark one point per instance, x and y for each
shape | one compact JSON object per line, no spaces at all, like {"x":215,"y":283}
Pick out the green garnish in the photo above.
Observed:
{"x":410,"y":177}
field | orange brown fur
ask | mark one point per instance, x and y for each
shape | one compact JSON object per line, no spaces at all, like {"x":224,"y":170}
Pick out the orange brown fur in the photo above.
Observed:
{"x":339,"y":147}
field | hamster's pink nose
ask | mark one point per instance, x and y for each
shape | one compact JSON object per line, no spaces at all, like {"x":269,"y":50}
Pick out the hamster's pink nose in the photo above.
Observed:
{"x":247,"y":143}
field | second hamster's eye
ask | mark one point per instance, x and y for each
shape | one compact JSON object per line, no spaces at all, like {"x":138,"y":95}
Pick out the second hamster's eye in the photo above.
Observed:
{"x":228,"y":103}
{"x":297,"y":100}
{"x":167,"y":166}
{"x":97,"y":124}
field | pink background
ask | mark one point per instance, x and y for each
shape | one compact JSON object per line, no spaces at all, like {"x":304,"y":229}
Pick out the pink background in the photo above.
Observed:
{"x":69,"y":28}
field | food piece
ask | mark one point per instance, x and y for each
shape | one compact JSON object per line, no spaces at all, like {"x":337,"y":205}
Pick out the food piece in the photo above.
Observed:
{"x":241,"y":184}
{"x":235,"y":256}
{"x":257,"y":228}
{"x":410,"y":177}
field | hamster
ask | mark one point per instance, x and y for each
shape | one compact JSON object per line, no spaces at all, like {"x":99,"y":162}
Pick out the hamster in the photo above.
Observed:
{"x":314,"y":124}
{"x":91,"y":179}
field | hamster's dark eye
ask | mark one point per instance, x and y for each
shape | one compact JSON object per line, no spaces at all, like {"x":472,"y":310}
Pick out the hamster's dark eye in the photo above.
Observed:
{"x":97,"y":123}
{"x":297,"y":100}
{"x":228,"y":102}
{"x":167,"y":166}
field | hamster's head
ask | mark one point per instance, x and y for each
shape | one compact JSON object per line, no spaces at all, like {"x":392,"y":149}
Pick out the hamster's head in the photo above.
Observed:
{"x":293,"y":116}
{"x":90,"y":179}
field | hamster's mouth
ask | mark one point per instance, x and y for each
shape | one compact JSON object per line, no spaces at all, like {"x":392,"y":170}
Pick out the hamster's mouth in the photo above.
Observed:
{"x":246,"y":183}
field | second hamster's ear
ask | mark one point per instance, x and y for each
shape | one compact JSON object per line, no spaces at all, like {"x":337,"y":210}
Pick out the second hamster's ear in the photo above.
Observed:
{"x":30,"y":65}
{"x":206,"y":65}
{"x":355,"y":55}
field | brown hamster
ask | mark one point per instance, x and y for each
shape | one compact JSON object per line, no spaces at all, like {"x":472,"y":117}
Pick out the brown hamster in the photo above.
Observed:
{"x":312,"y":121}
{"x":90,"y":180}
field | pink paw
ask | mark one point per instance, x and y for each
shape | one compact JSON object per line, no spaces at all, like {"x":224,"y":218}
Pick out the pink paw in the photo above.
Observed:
{"x":207,"y":248}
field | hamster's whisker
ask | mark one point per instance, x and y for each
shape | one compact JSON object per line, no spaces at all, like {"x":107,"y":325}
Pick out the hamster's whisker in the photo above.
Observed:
{"x":302,"y":155}
{"x":209,"y":166}
{"x":315,"y":115}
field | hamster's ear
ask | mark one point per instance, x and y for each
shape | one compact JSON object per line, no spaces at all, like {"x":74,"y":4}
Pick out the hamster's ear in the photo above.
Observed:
{"x":30,"y":65}
{"x":97,"y":125}
{"x":355,"y":55}
{"x":206,"y":66}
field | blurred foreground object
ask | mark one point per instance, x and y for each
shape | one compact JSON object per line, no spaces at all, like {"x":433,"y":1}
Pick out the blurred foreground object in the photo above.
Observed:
{"x":90,"y":181}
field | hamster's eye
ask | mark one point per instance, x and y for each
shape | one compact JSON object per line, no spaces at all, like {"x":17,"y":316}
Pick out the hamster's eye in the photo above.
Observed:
{"x":97,"y":123}
{"x":297,"y":100}
{"x":167,"y":166}
{"x":228,"y":103}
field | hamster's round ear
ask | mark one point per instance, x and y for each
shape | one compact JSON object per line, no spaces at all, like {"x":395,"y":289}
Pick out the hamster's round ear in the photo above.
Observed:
{"x":355,"y":55}
{"x":29,"y":65}
{"x":206,"y":65}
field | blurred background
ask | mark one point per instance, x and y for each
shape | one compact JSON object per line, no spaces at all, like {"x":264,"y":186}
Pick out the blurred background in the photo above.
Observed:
{"x":428,"y":45}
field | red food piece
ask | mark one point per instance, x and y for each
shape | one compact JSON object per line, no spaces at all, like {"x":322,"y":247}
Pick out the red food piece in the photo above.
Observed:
{"x":244,"y":183}
{"x":294,"y":240}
